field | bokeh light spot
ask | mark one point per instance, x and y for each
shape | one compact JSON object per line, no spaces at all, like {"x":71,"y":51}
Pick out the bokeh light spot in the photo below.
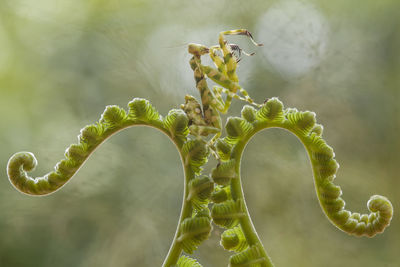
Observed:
{"x":295,"y":37}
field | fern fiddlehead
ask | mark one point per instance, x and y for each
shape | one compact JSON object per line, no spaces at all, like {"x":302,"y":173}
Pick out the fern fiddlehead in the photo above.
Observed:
{"x":303,"y":125}
{"x":113,"y":119}
{"x":194,"y":154}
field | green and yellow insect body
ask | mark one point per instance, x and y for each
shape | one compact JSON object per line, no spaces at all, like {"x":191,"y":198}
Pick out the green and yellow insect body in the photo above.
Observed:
{"x":205,"y":119}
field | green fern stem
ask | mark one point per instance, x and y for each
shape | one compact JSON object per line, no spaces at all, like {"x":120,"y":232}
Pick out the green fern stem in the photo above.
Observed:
{"x":175,"y":249}
{"x":115,"y":119}
{"x":245,"y":222}
{"x":303,"y":125}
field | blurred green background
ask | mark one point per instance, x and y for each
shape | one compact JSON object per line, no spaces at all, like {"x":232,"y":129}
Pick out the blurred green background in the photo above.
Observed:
{"x":63,"y":61}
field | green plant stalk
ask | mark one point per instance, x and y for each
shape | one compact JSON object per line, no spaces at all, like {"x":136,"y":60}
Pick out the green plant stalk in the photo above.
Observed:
{"x":175,"y":250}
{"x":237,"y":192}
{"x":245,"y":222}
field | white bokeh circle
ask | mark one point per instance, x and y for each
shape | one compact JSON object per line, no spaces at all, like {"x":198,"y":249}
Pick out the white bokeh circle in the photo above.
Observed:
{"x":295,"y":37}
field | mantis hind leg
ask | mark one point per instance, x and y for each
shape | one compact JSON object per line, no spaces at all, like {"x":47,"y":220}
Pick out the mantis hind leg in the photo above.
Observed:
{"x":247,"y":98}
{"x":219,"y":90}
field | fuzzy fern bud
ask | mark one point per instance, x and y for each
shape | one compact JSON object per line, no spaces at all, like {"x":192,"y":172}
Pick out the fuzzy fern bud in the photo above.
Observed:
{"x":113,"y":117}
{"x":195,"y":230}
{"x":271,"y":111}
{"x":141,"y":110}
{"x":221,"y":194}
{"x":200,"y":190}
{"x":195,"y":154}
{"x":249,"y":113}
{"x":303,"y":122}
{"x":185,"y":261}
{"x":224,"y":172}
{"x":177,"y":124}
{"x":223,"y":149}
{"x":234,"y":240}
{"x":250,"y":257}
{"x":227,"y":214}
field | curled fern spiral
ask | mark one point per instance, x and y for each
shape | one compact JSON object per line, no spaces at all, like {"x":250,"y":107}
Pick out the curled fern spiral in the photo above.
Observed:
{"x":303,"y":125}
{"x":113,"y":119}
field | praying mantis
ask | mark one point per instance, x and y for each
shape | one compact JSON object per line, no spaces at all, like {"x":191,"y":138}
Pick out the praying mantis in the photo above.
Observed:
{"x":205,"y":119}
